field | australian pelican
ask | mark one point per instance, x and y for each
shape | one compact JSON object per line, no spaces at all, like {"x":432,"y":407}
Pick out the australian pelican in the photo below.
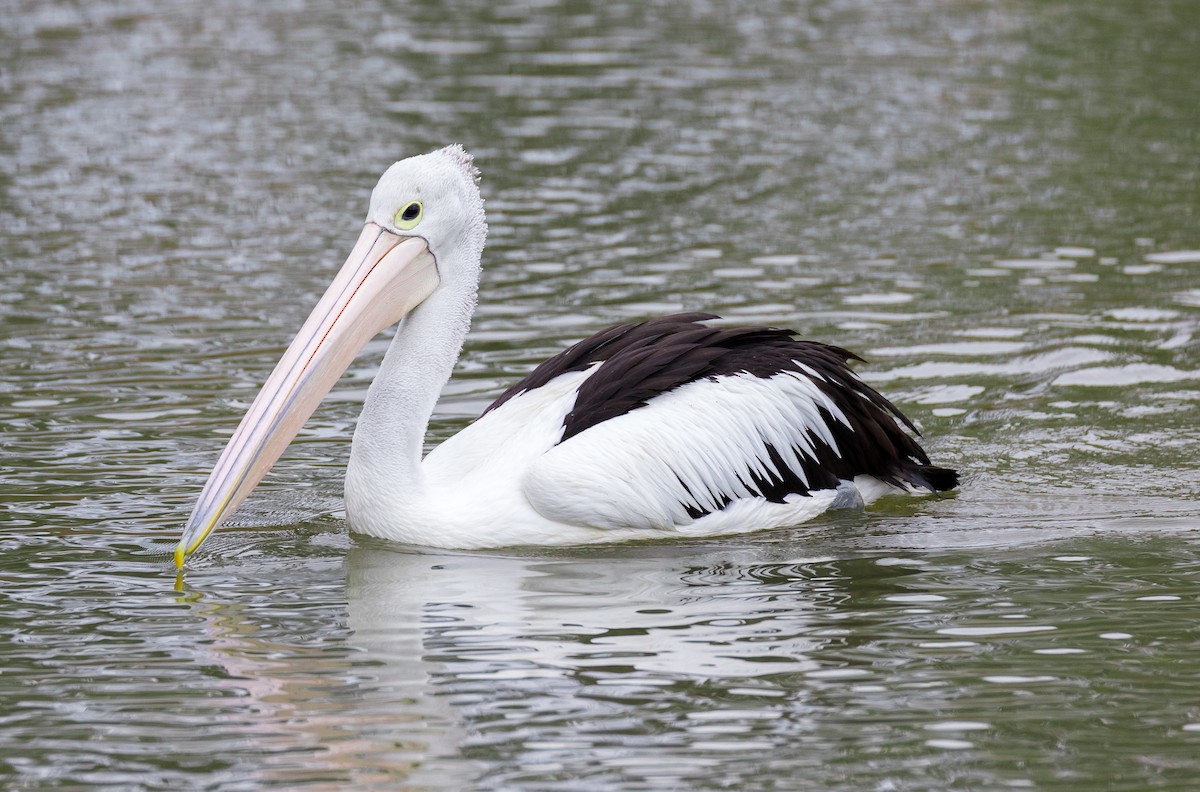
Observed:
{"x":669,"y":427}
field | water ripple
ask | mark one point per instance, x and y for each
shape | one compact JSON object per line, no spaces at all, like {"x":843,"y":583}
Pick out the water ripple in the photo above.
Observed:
{"x":993,"y":203}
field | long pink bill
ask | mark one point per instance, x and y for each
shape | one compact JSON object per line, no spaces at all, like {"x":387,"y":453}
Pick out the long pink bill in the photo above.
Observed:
{"x":385,"y":277}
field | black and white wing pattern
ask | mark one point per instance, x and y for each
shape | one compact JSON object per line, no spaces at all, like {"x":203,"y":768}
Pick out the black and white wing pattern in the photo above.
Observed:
{"x":677,"y":421}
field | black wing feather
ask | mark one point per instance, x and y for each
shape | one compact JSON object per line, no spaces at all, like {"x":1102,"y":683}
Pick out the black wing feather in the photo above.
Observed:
{"x":638,"y":362}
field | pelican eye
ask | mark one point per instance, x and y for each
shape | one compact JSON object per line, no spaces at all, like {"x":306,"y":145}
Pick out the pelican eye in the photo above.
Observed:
{"x":408,"y":217}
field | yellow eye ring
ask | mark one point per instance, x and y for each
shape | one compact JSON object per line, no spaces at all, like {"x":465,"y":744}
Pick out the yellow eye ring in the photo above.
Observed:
{"x":408,"y":217}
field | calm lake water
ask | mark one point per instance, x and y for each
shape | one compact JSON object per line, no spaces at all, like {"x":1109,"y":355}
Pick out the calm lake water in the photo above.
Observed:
{"x":997,"y":204}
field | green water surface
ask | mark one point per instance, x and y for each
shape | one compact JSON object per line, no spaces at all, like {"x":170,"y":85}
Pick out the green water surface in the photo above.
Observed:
{"x":996,"y":204}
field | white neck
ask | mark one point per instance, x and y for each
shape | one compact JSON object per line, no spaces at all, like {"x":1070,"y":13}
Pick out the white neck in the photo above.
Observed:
{"x":388,"y":441}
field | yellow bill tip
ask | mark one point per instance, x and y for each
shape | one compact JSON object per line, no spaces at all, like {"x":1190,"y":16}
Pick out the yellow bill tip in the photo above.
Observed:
{"x":180,"y":554}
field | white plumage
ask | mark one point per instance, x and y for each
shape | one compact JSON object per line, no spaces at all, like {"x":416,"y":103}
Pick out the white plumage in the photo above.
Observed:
{"x":664,"y":428}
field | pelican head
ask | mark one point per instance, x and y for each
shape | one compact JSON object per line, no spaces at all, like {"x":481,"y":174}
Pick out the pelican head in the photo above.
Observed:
{"x":424,"y":232}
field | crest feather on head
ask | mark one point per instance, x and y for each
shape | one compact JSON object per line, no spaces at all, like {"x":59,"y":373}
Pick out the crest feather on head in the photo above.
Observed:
{"x":463,"y":159}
